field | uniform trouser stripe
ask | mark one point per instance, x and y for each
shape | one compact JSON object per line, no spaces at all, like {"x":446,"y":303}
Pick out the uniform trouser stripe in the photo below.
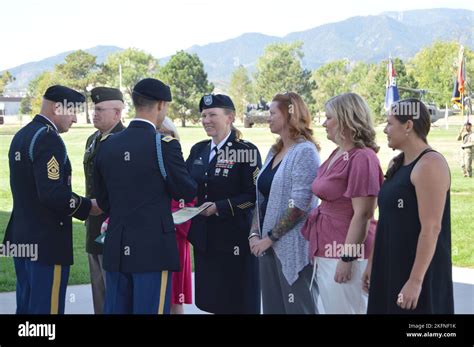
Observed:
{"x":55,"y":289}
{"x":164,"y":283}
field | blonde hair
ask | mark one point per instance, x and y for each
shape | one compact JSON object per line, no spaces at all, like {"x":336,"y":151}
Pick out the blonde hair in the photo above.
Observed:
{"x":353,"y":113}
{"x":297,"y":118}
{"x":238,"y":133}
{"x":168,"y":128}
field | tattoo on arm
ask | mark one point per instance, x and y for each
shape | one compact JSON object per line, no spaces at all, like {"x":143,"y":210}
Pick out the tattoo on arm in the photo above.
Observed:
{"x":254,"y":228}
{"x":290,"y":218}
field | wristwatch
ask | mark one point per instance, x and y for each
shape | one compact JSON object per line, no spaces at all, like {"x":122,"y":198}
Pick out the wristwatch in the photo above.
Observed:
{"x":271,"y":237}
{"x":346,"y":259}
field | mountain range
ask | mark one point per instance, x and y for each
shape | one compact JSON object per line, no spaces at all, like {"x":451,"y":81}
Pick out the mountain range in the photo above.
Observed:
{"x":361,"y":38}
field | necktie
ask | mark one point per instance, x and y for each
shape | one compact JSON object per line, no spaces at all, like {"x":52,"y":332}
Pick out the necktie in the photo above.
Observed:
{"x":213,"y":153}
{"x":96,"y":141}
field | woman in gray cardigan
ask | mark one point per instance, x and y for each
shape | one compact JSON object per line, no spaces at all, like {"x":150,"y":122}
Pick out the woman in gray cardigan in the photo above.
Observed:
{"x":284,"y":198}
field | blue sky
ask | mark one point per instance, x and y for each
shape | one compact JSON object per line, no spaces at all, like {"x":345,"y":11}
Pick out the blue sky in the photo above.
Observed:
{"x":34,"y":29}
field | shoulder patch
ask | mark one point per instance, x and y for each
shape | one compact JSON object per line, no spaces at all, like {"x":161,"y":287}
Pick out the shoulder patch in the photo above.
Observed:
{"x":168,"y":138}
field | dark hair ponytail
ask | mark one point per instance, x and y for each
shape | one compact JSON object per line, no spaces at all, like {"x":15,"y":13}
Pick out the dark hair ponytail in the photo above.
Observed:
{"x":403,"y":111}
{"x":396,"y":164}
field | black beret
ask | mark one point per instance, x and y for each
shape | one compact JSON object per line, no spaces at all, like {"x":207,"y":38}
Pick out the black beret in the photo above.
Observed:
{"x":216,"y":100}
{"x":100,"y":94}
{"x":62,"y":94}
{"x":153,"y":89}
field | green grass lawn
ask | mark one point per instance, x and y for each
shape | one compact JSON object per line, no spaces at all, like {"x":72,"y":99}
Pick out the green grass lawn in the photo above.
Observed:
{"x":443,"y":140}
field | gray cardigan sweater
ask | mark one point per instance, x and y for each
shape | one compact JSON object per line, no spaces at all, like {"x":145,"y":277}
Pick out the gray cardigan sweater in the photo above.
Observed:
{"x":291,"y":185}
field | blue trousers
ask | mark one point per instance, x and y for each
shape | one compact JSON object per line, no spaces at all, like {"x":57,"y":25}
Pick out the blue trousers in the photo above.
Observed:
{"x":138,"y":293}
{"x":40,"y":288}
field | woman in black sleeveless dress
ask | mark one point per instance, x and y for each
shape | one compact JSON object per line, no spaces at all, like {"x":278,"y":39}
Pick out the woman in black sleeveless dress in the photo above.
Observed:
{"x":410,"y":268}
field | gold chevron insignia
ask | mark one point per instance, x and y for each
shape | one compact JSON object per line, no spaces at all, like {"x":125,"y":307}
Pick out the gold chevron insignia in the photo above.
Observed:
{"x":168,"y":138}
{"x":255,"y":174}
{"x":53,"y":169}
{"x":245,"y":205}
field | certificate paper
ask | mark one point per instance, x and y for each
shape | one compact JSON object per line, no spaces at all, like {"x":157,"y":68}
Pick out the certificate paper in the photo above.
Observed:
{"x":187,"y":213}
{"x":179,"y":217}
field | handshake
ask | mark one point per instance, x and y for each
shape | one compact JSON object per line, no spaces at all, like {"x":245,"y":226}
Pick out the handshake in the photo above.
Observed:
{"x":95,"y":209}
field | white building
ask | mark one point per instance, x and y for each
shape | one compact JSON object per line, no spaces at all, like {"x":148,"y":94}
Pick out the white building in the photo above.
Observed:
{"x":9,"y":105}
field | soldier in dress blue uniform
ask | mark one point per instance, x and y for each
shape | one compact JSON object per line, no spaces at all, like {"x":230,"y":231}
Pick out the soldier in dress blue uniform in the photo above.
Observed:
{"x":137,"y":172}
{"x":108,"y":106}
{"x":44,"y":204}
{"x":225,"y":168}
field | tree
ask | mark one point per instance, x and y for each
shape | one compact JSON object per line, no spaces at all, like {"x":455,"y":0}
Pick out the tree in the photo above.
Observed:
{"x":367,"y":80}
{"x":370,"y":81}
{"x":135,"y":66}
{"x":79,"y":71}
{"x":279,"y":70}
{"x":376,"y":85}
{"x":435,"y":68}
{"x":25,"y":105}
{"x":185,"y":75}
{"x":36,"y":89}
{"x":240,"y":89}
{"x":5,"y":79}
{"x":331,"y":79}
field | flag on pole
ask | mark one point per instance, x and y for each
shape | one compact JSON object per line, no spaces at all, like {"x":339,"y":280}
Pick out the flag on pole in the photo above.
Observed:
{"x":391,"y":92}
{"x":458,"y":89}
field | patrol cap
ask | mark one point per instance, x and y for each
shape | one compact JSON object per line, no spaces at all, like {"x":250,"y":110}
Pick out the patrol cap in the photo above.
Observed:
{"x":62,"y":94}
{"x":153,"y":89}
{"x":100,"y":94}
{"x":216,"y":100}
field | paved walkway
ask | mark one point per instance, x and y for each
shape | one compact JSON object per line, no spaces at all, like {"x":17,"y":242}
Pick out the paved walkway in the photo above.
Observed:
{"x":79,"y":297}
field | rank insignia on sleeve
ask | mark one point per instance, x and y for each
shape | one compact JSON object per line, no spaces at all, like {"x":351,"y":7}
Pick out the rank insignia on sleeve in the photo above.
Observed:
{"x":53,"y":169}
{"x":245,"y":205}
{"x":255,"y":174}
{"x":168,"y":138}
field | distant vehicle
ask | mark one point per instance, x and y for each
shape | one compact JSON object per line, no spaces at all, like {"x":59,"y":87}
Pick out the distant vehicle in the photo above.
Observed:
{"x":256,"y":114}
{"x":435,"y":112}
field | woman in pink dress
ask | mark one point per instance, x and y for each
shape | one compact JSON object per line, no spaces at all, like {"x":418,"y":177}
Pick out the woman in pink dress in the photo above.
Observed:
{"x":341,"y":229}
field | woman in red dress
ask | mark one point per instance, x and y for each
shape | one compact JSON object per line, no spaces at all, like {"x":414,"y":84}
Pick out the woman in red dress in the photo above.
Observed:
{"x":181,"y":283}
